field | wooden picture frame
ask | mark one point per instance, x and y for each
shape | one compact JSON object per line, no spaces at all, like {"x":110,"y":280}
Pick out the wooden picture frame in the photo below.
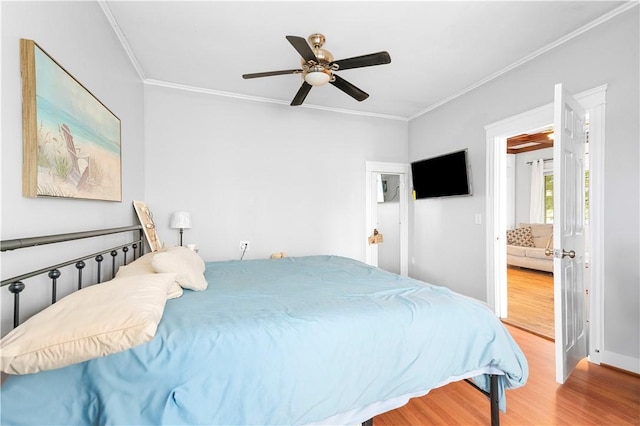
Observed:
{"x":71,"y":140}
{"x":146,"y":220}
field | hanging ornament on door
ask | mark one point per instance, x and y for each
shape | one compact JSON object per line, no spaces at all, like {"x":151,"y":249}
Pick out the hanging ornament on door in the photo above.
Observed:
{"x":376,"y":237}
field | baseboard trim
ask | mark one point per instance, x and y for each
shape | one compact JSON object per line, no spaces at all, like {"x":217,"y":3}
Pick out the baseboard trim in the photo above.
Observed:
{"x":611,"y":367}
{"x":620,"y":362}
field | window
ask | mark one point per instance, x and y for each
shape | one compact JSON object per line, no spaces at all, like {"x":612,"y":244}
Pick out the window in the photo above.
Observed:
{"x":548,"y":197}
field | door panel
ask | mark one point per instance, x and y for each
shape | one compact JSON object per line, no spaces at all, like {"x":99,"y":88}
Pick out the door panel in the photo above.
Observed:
{"x":568,"y":234}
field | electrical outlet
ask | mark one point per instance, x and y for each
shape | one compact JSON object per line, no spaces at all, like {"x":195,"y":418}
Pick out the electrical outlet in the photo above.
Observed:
{"x":244,"y":246}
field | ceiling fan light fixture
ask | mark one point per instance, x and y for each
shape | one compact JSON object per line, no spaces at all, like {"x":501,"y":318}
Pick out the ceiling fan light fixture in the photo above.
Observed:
{"x":317,"y":76}
{"x":317,"y":67}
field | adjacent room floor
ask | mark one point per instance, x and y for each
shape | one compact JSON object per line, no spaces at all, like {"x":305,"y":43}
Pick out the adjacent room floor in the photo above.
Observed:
{"x":530,"y":301}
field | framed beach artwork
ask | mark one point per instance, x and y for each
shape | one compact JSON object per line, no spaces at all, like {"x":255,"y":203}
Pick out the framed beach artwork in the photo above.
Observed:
{"x":71,"y":140}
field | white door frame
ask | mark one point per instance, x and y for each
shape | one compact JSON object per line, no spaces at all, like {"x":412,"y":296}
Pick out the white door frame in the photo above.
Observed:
{"x":372,"y":169}
{"x":496,"y":135}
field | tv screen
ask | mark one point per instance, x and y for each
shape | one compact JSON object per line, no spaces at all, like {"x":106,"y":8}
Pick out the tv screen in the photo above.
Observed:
{"x":443,"y":176}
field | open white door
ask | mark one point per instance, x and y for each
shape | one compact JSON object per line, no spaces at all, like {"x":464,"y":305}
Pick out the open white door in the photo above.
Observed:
{"x":373,"y":169}
{"x":568,"y":233}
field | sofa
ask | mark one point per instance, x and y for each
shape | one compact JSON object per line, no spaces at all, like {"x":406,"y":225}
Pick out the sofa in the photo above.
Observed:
{"x":526,"y":246}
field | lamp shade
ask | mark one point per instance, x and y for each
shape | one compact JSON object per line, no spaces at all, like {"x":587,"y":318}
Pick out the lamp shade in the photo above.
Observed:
{"x":180,"y":220}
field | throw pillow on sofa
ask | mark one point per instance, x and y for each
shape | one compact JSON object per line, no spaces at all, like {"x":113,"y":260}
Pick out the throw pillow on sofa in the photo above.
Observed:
{"x":520,"y":237}
{"x":542,"y":234}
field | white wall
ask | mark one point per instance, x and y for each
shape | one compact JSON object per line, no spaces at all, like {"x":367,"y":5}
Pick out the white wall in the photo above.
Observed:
{"x":444,"y":237}
{"x":445,"y":242}
{"x":78,"y":36}
{"x":284,"y":178}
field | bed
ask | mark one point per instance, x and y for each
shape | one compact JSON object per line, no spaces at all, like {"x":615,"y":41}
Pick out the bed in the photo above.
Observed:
{"x":298,"y":340}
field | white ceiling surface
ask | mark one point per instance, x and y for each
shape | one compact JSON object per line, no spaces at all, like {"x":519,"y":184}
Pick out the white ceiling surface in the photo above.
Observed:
{"x":439,"y":49}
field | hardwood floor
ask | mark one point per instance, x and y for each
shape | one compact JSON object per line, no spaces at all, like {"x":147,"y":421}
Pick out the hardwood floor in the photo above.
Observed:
{"x":593,"y":395}
{"x":530,"y":301}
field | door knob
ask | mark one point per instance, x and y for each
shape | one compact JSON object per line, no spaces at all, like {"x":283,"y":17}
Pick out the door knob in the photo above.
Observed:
{"x":564,"y":253}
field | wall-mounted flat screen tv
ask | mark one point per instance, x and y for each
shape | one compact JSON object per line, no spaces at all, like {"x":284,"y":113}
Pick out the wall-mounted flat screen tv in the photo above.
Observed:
{"x":442,"y":176}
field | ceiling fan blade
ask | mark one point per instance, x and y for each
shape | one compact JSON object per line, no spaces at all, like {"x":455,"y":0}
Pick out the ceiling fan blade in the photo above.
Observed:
{"x":302,"y":94}
{"x":349,"y":89}
{"x":303,"y":48}
{"x":371,"y":59}
{"x":270,"y":73}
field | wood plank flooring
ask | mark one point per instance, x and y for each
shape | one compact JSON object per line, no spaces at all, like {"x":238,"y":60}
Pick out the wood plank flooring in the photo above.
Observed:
{"x":593,"y":395}
{"x":530,"y":301}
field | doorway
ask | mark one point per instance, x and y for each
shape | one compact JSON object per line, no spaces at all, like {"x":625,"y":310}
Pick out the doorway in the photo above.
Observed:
{"x":529,"y":205}
{"x":392,"y":252}
{"x":593,"y":101}
{"x":389,"y":221}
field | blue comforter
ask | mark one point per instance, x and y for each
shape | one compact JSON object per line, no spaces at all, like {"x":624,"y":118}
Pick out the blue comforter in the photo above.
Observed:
{"x":287,"y":341}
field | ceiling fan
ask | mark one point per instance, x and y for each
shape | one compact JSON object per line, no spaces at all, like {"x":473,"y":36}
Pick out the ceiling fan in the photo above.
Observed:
{"x":318,"y":67}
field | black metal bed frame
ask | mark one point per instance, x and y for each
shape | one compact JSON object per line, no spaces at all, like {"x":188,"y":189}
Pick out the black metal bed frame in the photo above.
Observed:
{"x":16,"y":284}
{"x":492,"y":394}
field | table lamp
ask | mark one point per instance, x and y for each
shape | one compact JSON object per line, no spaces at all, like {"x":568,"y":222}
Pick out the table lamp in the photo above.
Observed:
{"x":180,"y":220}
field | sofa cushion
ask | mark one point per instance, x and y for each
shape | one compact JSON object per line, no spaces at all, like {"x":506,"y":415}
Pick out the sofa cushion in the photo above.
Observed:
{"x":520,"y":237}
{"x":516,"y":250}
{"x":537,"y":253}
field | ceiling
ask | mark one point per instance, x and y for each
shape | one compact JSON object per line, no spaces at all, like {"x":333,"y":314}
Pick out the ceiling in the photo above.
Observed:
{"x":439,"y":49}
{"x":530,"y":142}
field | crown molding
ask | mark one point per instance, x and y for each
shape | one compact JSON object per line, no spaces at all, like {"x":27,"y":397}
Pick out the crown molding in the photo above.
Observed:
{"x":600,"y":20}
{"x":234,"y":95}
{"x":134,"y":61}
{"x":121,"y":38}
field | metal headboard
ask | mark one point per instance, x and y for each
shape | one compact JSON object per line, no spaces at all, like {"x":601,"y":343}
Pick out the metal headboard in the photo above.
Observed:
{"x":16,"y":284}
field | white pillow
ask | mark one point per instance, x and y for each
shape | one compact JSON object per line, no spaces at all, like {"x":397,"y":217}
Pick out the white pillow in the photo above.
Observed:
{"x":96,"y":321}
{"x":185,"y":262}
{"x":142,"y":266}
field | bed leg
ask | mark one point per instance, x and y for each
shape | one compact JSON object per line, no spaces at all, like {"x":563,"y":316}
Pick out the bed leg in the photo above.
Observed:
{"x":493,"y":397}
{"x":368,"y":422}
